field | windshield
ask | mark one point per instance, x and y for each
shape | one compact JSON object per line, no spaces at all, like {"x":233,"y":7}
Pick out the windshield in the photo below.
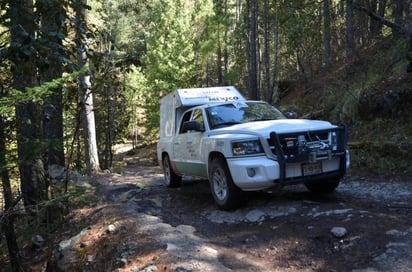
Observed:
{"x":241,"y":112}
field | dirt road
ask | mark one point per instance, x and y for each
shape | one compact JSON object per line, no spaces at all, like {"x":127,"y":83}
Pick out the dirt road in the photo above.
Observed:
{"x":143,"y":226}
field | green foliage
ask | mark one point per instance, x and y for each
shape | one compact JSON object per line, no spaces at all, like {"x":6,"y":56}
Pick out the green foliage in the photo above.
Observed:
{"x":115,"y":52}
{"x":35,"y":94}
{"x":169,"y":59}
{"x":81,"y":196}
{"x":383,"y":160}
{"x":381,"y":147}
{"x":302,"y":35}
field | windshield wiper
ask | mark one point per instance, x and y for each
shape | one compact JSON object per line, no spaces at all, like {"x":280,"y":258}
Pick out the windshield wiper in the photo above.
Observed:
{"x":226,"y":124}
{"x":262,"y":119}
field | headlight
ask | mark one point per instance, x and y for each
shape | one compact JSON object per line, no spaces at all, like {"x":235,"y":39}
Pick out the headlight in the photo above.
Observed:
{"x":333,"y":140}
{"x":246,"y":148}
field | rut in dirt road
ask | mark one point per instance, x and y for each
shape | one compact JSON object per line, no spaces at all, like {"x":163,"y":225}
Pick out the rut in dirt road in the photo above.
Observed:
{"x":374,"y":214}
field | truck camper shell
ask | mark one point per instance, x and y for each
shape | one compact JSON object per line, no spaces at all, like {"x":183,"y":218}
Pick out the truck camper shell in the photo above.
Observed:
{"x":173,"y":105}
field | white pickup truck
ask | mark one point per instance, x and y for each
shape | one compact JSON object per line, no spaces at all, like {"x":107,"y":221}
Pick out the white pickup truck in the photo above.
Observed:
{"x":241,"y":145}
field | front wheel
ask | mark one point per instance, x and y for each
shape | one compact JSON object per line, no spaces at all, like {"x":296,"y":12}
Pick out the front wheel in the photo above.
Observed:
{"x":323,"y":186}
{"x":226,"y":194}
{"x":172,"y":180}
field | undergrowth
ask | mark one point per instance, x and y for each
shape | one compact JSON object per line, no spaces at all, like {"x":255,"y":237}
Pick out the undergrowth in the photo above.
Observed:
{"x":382,"y":147}
{"x":373,"y":96}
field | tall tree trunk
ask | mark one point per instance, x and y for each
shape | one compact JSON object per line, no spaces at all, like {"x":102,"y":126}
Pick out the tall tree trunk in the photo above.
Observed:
{"x":350,"y":38}
{"x":89,"y":124}
{"x":220,"y":12}
{"x":219,"y":59}
{"x":327,"y":32}
{"x":373,"y":24}
{"x":381,"y":13}
{"x":239,"y":40}
{"x":110,"y":104}
{"x":275,"y":89}
{"x":378,"y":7}
{"x":6,"y":221}
{"x":362,"y":26}
{"x":28,"y":114}
{"x":226,"y":42}
{"x":252,"y":49}
{"x":267,"y":95}
{"x":52,"y":22}
{"x":89,"y":129}
{"x":398,"y":16}
{"x":408,"y":24}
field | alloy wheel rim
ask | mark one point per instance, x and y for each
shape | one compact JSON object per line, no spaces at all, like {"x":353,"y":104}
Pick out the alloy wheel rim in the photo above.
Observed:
{"x":167,"y":171}
{"x":219,"y":185}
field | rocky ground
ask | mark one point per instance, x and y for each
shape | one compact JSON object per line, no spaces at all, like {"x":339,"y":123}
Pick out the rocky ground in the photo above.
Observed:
{"x":138,"y":224}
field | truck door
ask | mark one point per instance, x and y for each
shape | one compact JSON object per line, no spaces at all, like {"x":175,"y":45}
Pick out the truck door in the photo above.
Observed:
{"x":179,"y":145}
{"x":198,"y":168}
{"x":187,"y":146}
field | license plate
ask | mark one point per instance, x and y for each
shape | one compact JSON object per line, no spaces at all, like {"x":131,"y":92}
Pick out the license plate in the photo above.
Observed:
{"x":311,"y":169}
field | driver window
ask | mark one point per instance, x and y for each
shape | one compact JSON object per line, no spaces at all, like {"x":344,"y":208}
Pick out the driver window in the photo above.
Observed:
{"x":185,"y":118}
{"x":198,"y":116}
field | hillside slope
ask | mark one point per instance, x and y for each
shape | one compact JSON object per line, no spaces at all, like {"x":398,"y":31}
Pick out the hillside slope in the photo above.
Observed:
{"x":372,"y":95}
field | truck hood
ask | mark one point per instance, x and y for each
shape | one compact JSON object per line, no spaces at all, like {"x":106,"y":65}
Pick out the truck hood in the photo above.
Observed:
{"x":264,"y":128}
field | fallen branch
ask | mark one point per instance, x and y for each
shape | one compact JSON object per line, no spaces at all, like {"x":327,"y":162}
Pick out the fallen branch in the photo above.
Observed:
{"x":380,"y":18}
{"x":4,"y":215}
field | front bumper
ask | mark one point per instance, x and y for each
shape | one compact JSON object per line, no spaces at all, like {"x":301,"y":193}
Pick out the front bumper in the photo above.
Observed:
{"x":254,"y":173}
{"x":287,"y":168}
{"x":260,"y":173}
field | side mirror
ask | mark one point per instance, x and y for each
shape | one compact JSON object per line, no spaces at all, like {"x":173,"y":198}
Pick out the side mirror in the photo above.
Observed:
{"x":191,"y":125}
{"x":291,"y":115}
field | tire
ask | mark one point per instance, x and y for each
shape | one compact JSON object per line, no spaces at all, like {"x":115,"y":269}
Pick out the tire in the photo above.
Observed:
{"x":322,"y":187}
{"x":226,"y":194}
{"x":172,"y":180}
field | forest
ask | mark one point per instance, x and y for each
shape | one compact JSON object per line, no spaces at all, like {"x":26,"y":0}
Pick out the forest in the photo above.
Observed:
{"x":78,"y":77}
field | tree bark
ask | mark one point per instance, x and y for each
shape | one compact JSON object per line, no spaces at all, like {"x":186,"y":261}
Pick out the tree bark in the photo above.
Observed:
{"x":266,"y":82}
{"x":52,"y":21}
{"x":381,"y":13}
{"x":252,"y":50}
{"x":398,"y":17}
{"x":28,"y":114}
{"x":89,"y":124}
{"x":6,"y":221}
{"x":327,"y":32}
{"x":408,"y":24}
{"x":274,"y":87}
{"x":219,"y":59}
{"x":373,"y":25}
{"x":226,"y":42}
{"x":350,"y":38}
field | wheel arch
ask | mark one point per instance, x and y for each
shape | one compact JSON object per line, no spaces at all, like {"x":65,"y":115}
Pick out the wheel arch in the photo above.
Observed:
{"x":162,"y":157}
{"x":172,"y":164}
{"x":213,"y":155}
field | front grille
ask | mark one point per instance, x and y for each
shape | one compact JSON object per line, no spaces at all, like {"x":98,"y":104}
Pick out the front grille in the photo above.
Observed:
{"x":309,"y":146}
